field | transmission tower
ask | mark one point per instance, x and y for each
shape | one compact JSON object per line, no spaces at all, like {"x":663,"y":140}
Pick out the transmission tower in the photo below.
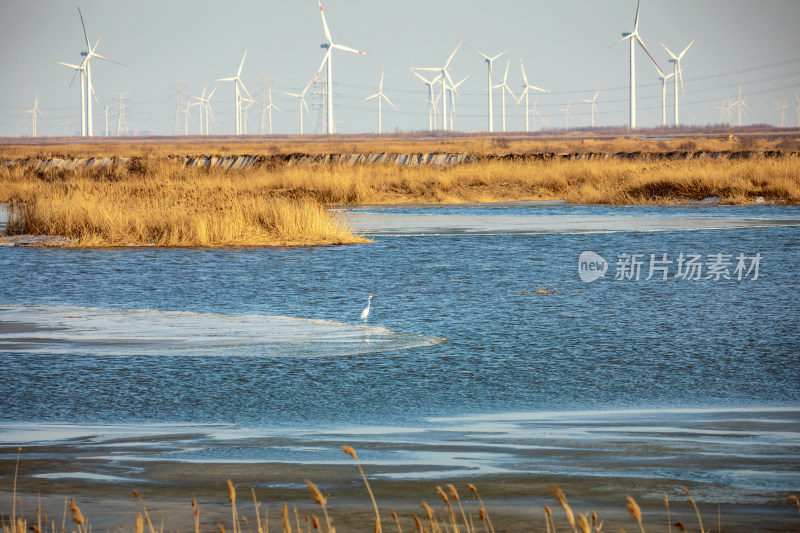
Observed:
{"x":122,"y":119}
{"x":321,"y":105}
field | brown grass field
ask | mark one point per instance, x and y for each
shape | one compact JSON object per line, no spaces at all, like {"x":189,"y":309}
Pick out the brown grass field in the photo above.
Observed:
{"x":153,"y":200}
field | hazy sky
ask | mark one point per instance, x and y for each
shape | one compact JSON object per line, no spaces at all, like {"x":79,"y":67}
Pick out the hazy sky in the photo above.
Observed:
{"x":564,"y":46}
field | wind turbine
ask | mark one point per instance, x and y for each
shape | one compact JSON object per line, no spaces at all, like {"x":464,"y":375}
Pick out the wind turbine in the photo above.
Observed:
{"x":453,"y":93}
{"x":503,"y":88}
{"x":489,"y":61}
{"x":82,"y":71}
{"x":797,"y":97}
{"x":186,"y":118}
{"x":525,"y":89}
{"x":593,"y":103}
{"x":677,"y":72}
{"x":237,"y":98}
{"x":631,"y":36}
{"x":782,"y":110}
{"x":431,"y":101}
{"x":740,"y":104}
{"x":34,"y":111}
{"x":567,"y":114}
{"x":267,"y":99}
{"x":663,"y":79}
{"x":88,"y":67}
{"x":330,"y":45}
{"x":302,"y":97}
{"x":445,"y":78}
{"x":379,"y":95}
{"x":205,"y":107}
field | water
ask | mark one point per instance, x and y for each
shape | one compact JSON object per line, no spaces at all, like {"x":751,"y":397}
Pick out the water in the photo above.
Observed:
{"x":239,"y":340}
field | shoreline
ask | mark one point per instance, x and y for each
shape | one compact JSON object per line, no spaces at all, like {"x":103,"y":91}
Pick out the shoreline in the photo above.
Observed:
{"x":102,"y":471}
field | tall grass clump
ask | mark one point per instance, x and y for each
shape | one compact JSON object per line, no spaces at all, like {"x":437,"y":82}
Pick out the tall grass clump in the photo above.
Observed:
{"x":164,"y":205}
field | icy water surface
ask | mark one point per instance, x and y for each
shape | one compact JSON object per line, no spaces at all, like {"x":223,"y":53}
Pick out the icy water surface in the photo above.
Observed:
{"x":271,"y":338}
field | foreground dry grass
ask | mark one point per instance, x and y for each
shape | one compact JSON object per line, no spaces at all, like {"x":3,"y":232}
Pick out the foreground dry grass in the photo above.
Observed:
{"x":157,"y":203}
{"x":452,"y":514}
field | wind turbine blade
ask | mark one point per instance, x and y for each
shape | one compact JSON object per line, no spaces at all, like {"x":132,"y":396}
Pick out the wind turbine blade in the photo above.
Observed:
{"x":292,"y":94}
{"x":390,"y":102}
{"x":498,"y":55}
{"x":371,"y":97}
{"x":211,"y":93}
{"x":305,"y":105}
{"x":98,"y":56}
{"x":680,"y":77}
{"x":685,"y":49}
{"x":535,"y":88}
{"x":88,"y":46}
{"x":324,"y":59}
{"x":239,"y":72}
{"x":629,"y":36}
{"x":636,"y":20}
{"x":417,"y":74}
{"x":245,"y":89}
{"x":524,"y":77}
{"x":673,"y":56}
{"x":505,"y":76}
{"x":226,"y":79}
{"x":324,"y":23}
{"x":641,"y":42}
{"x":479,"y":52}
{"x":306,"y":88}
{"x":449,"y":59}
{"x":348,"y":49}
{"x":521,"y":96}
{"x":380,"y":85}
{"x":427,"y":69}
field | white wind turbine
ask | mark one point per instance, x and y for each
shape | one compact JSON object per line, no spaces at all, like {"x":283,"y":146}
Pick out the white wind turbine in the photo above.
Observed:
{"x":593,"y":102}
{"x":88,"y":68}
{"x":379,"y":95}
{"x":663,"y":79}
{"x":445,"y":79}
{"x":567,"y":114}
{"x":34,"y":111}
{"x":489,"y":61}
{"x":453,"y":91}
{"x":740,"y":104}
{"x":330,"y":45}
{"x":302,"y":97}
{"x":781,"y":108}
{"x":631,"y":36}
{"x":677,"y":72}
{"x":431,"y":101}
{"x":82,"y":71}
{"x":268,"y":109}
{"x":525,"y":89}
{"x":503,"y":88}
{"x":237,"y":98}
{"x":205,"y":107}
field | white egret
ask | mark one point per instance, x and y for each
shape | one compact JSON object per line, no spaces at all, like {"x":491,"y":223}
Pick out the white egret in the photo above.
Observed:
{"x":365,"y":312}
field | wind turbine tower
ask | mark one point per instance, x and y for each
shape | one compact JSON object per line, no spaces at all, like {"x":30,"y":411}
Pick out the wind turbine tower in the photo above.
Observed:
{"x":631,"y":36}
{"x":237,"y":96}
{"x":302,"y":97}
{"x":445,"y":79}
{"x":593,"y":103}
{"x":82,"y":71}
{"x":330,"y":45}
{"x":431,"y":101}
{"x":489,"y":61}
{"x":379,"y":95}
{"x":503,"y":88}
{"x":34,"y":111}
{"x":525,"y":90}
{"x":677,"y":72}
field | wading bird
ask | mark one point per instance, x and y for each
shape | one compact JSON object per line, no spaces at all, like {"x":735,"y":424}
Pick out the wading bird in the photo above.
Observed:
{"x":365,"y":312}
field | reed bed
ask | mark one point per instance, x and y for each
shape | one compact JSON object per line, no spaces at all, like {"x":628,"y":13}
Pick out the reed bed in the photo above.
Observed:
{"x":158,"y":203}
{"x":452,"y":515}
